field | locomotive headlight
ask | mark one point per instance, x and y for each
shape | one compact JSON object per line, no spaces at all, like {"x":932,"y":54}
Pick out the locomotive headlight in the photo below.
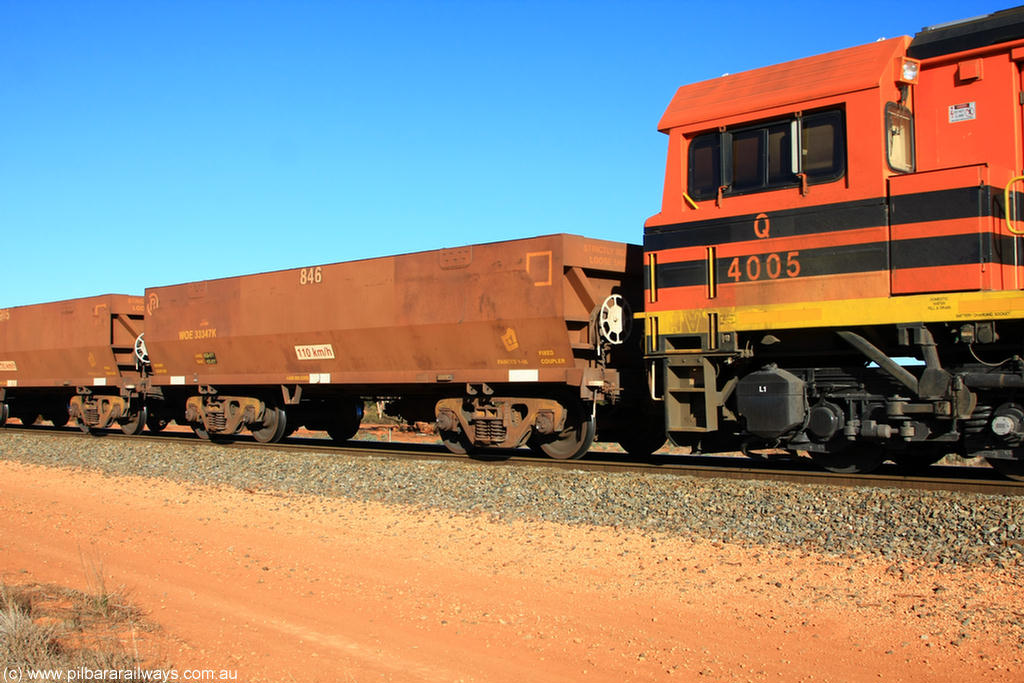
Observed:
{"x":907,"y":70}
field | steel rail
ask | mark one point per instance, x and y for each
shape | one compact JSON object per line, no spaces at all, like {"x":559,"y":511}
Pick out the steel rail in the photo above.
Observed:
{"x":978,"y":480}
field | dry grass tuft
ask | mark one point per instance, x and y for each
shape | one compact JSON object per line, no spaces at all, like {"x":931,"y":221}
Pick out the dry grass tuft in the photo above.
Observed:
{"x":52,"y":627}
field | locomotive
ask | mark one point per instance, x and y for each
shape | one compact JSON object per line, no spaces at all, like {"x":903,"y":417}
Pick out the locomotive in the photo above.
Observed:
{"x":837,"y":265}
{"x":836,"y":270}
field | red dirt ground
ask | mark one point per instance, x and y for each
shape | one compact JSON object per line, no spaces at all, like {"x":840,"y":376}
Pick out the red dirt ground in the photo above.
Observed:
{"x":296,"y":588}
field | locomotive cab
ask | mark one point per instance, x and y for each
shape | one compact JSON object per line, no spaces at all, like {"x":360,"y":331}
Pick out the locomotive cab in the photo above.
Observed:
{"x":837,"y":264}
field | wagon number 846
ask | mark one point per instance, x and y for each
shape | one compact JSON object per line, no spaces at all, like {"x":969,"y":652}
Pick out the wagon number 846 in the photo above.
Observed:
{"x":758,"y":266}
{"x":311,"y":276}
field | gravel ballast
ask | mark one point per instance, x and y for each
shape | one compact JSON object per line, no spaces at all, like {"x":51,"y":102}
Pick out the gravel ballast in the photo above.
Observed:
{"x":924,"y":526}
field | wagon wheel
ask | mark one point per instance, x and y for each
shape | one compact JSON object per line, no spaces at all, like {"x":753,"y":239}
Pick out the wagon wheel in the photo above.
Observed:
{"x":851,"y":459}
{"x":456,"y":442}
{"x":59,"y":417}
{"x":135,"y":422}
{"x":4,"y":412}
{"x":1011,"y":469}
{"x":156,"y":422}
{"x":574,"y":441}
{"x":345,"y":426}
{"x":274,"y":423}
{"x":28,"y":418}
{"x":342,"y":431}
{"x":81,"y":424}
{"x":201,"y":432}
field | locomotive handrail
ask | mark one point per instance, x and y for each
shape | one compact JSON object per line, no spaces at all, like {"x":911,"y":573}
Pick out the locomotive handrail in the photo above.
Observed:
{"x":1006,"y":205}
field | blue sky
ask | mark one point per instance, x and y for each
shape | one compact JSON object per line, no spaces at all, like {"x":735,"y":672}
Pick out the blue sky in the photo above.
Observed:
{"x":150,"y":143}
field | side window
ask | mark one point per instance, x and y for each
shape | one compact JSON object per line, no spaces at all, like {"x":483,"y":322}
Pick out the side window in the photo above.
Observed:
{"x":899,"y":137}
{"x":768,"y":156}
{"x":822,"y":150}
{"x":747,"y":160}
{"x":780,"y":154}
{"x":705,"y":166}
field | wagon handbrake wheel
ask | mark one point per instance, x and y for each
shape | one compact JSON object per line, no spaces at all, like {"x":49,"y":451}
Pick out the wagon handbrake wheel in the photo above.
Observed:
{"x":141,"y":353}
{"x":615,"y":319}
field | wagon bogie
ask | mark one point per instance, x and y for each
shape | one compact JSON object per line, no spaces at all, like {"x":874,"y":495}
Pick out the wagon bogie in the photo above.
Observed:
{"x":489,"y":421}
{"x":93,"y":411}
{"x":226,"y":415}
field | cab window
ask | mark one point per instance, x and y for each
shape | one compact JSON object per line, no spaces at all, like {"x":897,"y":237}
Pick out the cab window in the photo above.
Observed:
{"x":899,"y":137}
{"x":768,"y":156}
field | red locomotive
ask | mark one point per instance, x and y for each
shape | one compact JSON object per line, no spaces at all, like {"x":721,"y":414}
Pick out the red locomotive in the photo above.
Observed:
{"x":827,"y":219}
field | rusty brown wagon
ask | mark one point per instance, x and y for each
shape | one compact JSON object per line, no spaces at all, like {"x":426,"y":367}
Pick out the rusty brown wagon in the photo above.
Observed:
{"x":73,"y":360}
{"x":502,"y":344}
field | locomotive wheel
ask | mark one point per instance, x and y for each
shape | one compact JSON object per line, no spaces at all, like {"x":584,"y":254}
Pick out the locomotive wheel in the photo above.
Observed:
{"x":852,"y":459}
{"x":1011,"y":469}
{"x":642,"y":444}
{"x":274,"y":424}
{"x":134,"y":424}
{"x":919,"y":457}
{"x":639,"y":432}
{"x":571,"y":443}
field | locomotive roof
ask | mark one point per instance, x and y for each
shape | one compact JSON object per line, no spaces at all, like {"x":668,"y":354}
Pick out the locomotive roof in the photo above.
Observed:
{"x":967,"y":34}
{"x":833,"y":73}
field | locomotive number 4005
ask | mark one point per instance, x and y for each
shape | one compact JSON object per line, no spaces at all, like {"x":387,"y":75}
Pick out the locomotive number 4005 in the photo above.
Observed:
{"x":761,"y":266}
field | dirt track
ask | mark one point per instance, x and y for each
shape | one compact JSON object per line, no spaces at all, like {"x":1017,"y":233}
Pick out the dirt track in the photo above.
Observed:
{"x":299,"y":588}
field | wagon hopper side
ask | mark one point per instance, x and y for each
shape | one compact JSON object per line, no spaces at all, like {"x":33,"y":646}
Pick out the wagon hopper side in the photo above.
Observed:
{"x":826,"y":220}
{"x":501,"y":344}
{"x":73,"y":360}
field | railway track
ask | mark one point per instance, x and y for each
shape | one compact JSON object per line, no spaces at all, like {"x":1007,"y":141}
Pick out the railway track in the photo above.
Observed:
{"x":980,"y":480}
